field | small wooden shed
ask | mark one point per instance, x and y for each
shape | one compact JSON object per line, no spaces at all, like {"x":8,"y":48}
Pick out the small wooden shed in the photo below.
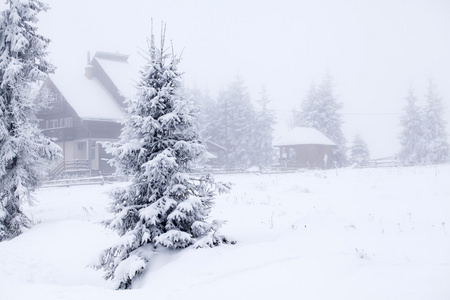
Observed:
{"x":215,"y":154}
{"x":304,"y":147}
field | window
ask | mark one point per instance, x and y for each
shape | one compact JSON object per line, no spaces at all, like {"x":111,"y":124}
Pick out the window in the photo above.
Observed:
{"x":53,"y":123}
{"x":93,"y":148}
{"x":68,"y":123}
{"x":59,"y":123}
{"x":81,"y":145}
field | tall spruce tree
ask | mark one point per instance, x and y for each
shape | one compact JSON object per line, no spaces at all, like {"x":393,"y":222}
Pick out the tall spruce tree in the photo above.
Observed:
{"x":209,"y":114}
{"x":234,"y":125}
{"x":434,"y":128}
{"x":411,"y":136}
{"x":206,"y":111}
{"x":320,"y":111}
{"x":24,"y":150}
{"x":262,"y":136}
{"x":165,"y":204}
{"x":308,"y":115}
{"x":359,"y":152}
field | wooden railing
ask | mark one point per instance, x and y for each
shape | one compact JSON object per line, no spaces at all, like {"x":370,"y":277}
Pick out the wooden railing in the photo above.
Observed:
{"x":71,"y":167}
{"x":66,"y":182}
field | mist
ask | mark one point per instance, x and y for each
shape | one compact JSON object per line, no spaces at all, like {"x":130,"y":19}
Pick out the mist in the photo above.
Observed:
{"x":375,"y":51}
{"x":95,"y":199}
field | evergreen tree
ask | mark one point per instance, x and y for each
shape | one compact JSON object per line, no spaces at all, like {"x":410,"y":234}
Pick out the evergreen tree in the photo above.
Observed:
{"x":359,"y":151}
{"x":263,"y":133}
{"x":411,"y":136}
{"x":233,"y":127}
{"x":309,"y":115}
{"x":208,"y":116}
{"x":206,"y":111}
{"x":320,"y":111}
{"x":24,"y":150}
{"x":434,"y":128}
{"x":233,"y":123}
{"x":165,"y":204}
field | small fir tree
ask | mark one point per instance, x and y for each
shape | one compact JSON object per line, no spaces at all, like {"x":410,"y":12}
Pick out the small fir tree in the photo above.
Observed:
{"x":434,"y":128}
{"x":24,"y":150}
{"x":359,"y":151}
{"x":165,"y":204}
{"x":411,"y":136}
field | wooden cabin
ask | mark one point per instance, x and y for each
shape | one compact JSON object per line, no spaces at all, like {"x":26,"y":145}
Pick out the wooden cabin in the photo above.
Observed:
{"x":87,"y":111}
{"x":303,"y":147}
{"x":215,"y":154}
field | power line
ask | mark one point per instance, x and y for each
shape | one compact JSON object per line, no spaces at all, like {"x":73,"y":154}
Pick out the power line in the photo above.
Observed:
{"x":372,"y":114}
{"x":350,"y":113}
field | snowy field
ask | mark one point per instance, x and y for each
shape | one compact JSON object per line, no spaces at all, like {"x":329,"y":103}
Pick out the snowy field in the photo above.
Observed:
{"x":346,"y":234}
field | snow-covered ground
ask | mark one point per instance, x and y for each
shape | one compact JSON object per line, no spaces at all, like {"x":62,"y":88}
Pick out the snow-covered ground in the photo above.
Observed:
{"x":345,"y":234}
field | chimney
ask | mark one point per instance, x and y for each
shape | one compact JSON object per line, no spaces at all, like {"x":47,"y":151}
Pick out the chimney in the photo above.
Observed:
{"x":89,"y":70}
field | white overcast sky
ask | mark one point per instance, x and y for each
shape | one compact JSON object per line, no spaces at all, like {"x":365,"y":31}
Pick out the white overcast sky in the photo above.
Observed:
{"x":374,"y":49}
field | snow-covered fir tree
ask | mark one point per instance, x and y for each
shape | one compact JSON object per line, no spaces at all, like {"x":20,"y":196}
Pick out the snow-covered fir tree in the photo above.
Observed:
{"x":24,"y":150}
{"x":165,"y":205}
{"x":206,"y":110}
{"x":436,"y":147}
{"x":233,"y":126}
{"x":359,"y":152}
{"x":233,"y":123}
{"x":320,"y":111}
{"x":262,"y":136}
{"x":306,"y":117}
{"x":411,"y":136}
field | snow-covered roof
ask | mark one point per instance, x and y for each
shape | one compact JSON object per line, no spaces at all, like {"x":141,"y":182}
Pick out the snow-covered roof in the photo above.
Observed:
{"x":123,"y":75}
{"x":303,"y":136}
{"x":209,"y":155}
{"x":88,"y":97}
{"x":214,"y":147}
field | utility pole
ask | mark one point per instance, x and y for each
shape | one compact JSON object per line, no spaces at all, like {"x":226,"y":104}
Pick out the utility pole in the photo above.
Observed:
{"x":226,"y":133}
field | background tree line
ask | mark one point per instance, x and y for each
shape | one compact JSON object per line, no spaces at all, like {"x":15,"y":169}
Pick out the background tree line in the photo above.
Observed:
{"x":424,"y":138}
{"x":235,"y":123}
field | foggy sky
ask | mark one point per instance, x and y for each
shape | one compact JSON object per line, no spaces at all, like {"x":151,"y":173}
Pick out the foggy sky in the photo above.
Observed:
{"x":374,"y":50}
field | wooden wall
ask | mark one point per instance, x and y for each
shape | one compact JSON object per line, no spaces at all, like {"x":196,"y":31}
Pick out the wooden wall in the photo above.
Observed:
{"x":306,"y":156}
